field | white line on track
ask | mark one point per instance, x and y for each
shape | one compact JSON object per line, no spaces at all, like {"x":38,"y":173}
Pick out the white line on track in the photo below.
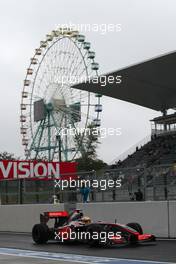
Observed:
{"x":72,"y":257}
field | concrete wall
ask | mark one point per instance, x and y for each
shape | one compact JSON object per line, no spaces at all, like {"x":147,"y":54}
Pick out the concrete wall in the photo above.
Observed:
{"x":158,"y":218}
{"x":172,"y":218}
{"x":21,"y":218}
{"x":153,"y":216}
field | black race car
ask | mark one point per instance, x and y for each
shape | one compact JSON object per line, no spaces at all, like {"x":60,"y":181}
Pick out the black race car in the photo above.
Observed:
{"x":77,"y":227}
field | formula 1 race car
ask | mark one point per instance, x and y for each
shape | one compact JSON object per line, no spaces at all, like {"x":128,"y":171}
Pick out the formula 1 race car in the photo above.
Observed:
{"x":77,"y":227}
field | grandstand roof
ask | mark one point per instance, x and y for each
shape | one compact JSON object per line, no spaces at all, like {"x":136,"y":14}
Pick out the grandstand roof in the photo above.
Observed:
{"x":151,"y":84}
{"x":167,"y":119}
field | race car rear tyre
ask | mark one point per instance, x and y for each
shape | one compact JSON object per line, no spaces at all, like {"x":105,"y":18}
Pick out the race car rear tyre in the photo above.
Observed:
{"x":40,"y":233}
{"x":137,"y":227}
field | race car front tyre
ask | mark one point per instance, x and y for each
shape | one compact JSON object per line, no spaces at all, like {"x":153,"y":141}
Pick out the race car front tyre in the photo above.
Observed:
{"x":40,"y":233}
{"x":137,"y":227}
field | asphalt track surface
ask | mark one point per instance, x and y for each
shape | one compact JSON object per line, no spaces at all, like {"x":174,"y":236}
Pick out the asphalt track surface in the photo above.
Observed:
{"x":161,"y":251}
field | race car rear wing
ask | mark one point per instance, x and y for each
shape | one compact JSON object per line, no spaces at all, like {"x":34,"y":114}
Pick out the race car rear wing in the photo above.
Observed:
{"x":61,"y":217}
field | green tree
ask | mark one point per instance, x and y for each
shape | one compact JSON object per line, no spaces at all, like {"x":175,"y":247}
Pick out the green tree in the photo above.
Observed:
{"x":7,"y":156}
{"x":89,"y":161}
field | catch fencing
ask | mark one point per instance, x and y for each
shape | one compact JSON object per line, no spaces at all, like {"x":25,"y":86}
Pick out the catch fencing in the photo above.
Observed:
{"x":156,"y":183}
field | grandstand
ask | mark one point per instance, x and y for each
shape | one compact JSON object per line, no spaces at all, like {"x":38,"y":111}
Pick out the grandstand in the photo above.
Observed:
{"x":160,"y":150}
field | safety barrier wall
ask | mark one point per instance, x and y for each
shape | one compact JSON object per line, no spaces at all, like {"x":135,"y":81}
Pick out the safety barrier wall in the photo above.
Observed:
{"x":155,"y":217}
{"x":21,"y":218}
{"x":172,"y":219}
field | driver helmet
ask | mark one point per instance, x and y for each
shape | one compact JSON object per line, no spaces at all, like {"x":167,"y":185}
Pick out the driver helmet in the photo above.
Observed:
{"x":86,"y":220}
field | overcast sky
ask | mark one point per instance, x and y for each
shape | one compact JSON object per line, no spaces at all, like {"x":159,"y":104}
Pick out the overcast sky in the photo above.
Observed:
{"x":148,"y":30}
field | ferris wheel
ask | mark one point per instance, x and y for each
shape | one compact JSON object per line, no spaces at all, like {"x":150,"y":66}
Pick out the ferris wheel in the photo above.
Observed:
{"x":52,"y":112}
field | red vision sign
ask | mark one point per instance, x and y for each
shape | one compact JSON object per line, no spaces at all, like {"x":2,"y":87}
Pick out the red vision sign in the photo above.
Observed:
{"x":11,"y":170}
